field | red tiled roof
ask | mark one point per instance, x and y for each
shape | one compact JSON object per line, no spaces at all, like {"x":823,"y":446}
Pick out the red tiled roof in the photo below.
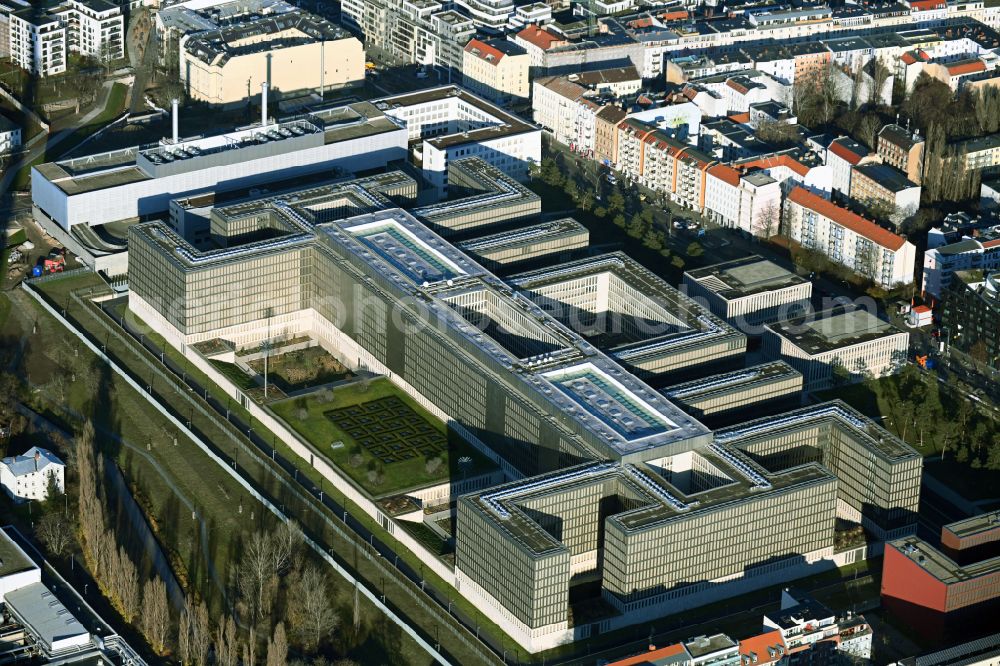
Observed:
{"x":740,"y":117}
{"x":846,"y":218}
{"x":774,"y":161}
{"x":484,"y":51}
{"x":758,"y":645}
{"x":675,"y":15}
{"x":910,"y":57}
{"x":920,"y":309}
{"x":966,"y":67}
{"x":993,"y":243}
{"x":844,"y":153}
{"x":540,"y":37}
{"x":647,"y":657}
{"x":926,"y":5}
{"x":725,"y":173}
{"x":738,"y":87}
{"x":644,"y":22}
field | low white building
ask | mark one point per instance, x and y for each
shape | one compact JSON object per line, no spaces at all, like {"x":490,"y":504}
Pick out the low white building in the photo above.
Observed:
{"x":10,"y":135}
{"x":842,"y":154}
{"x":846,"y":238}
{"x":27,"y":477}
{"x":16,"y":569}
{"x":853,"y":340}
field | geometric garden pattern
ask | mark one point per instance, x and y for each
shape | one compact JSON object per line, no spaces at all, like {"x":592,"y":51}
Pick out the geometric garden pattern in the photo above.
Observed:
{"x":389,"y":429}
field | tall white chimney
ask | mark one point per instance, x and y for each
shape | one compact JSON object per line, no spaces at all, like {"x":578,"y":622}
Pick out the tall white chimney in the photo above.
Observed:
{"x":263,"y":104}
{"x":174,"y":106}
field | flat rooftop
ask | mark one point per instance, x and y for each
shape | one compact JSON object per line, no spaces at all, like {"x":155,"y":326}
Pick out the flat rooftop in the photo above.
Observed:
{"x":731,"y":382}
{"x":41,"y":611}
{"x":942,"y":567}
{"x":833,"y":329}
{"x":745,"y":277}
{"x":525,"y":236}
{"x":984,"y":522}
{"x":501,"y":123}
{"x":863,"y":430}
{"x":107,"y":170}
{"x":12,"y":558}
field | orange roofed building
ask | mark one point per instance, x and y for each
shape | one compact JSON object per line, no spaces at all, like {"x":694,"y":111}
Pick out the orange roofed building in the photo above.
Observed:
{"x":847,"y":238}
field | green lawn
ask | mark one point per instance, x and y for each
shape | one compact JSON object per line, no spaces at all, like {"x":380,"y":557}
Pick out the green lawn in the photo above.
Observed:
{"x":320,"y":430}
{"x":234,"y":374}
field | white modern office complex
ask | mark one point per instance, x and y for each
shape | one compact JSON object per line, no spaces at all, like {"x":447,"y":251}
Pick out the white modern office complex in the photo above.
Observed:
{"x":449,"y":123}
{"x":840,"y":345}
{"x":137,"y":182}
{"x":940,"y":263}
{"x":749,"y":292}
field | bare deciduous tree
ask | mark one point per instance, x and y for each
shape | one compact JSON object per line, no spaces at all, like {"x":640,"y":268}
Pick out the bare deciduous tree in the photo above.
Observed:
{"x":91,"y":509}
{"x":255,"y":574}
{"x":201,"y":633}
{"x":310,"y":612}
{"x":55,"y":532}
{"x":286,"y":542}
{"x":277,"y":647}
{"x":156,"y":614}
{"x":184,"y":633}
{"x":128,"y":589}
{"x":227,"y":649}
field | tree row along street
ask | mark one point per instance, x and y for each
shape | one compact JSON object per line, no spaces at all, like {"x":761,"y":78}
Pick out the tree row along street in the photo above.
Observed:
{"x":372,"y":555}
{"x":265,"y":463}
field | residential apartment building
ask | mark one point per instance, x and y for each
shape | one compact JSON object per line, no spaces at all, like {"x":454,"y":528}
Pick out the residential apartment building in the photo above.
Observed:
{"x":981,"y":154}
{"x":848,"y":239}
{"x":10,"y":135}
{"x":606,"y":133}
{"x":842,"y":154}
{"x":29,"y":476}
{"x":38,"y":42}
{"x":883,"y":188}
{"x":749,"y":201}
{"x":489,"y":15}
{"x":497,"y":70}
{"x":843,"y":344}
{"x":970,"y":310}
{"x":970,"y":253}
{"x":903,"y":150}
{"x":39,"y":39}
{"x":293,"y":52}
{"x":562,"y":106}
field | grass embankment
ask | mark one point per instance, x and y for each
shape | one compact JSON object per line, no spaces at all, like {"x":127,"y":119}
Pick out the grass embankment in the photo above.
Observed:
{"x":401,"y":595}
{"x":228,"y":514}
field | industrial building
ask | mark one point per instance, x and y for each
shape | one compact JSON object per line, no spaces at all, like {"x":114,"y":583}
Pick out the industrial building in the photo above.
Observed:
{"x":293,"y":52}
{"x":138,"y":182}
{"x":842,"y":344}
{"x":510,"y":248}
{"x":449,"y":123}
{"x":635,"y":316}
{"x":749,"y":292}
